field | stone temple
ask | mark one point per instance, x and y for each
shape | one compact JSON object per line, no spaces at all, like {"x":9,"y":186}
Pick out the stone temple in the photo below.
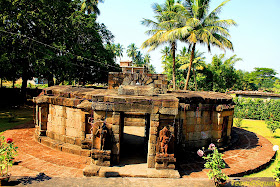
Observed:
{"x":91,"y":122}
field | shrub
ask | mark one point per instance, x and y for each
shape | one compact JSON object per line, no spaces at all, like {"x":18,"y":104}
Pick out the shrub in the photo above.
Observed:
{"x":7,"y":153}
{"x":214,"y":162}
{"x":258,"y":109}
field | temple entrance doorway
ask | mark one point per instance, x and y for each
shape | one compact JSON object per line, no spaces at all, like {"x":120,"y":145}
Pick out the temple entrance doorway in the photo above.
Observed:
{"x":134,"y":138}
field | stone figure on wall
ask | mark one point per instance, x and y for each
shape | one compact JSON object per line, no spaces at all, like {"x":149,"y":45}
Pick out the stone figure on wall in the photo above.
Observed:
{"x":102,"y":132}
{"x":164,"y":138}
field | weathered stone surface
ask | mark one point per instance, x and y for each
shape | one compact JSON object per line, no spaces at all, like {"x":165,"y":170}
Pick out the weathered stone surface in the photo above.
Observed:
{"x":192,"y":117}
{"x":136,"y":90}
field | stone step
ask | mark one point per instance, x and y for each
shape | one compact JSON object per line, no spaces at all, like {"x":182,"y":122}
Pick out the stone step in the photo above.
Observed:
{"x":64,"y":147}
{"x":133,"y":170}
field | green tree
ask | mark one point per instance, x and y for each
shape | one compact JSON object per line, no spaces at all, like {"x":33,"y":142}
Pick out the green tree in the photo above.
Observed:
{"x":224,"y":75}
{"x":201,"y":26}
{"x":117,"y":49}
{"x":164,"y":14}
{"x":147,"y":60}
{"x":132,"y":51}
{"x":152,"y":69}
{"x":264,"y":77}
{"x":198,"y":62}
{"x":53,"y":39}
{"x":90,"y":6}
{"x":165,"y":53}
{"x":139,"y":59}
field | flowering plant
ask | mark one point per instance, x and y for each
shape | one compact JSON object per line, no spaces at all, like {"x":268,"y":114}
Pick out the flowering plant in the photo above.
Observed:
{"x":215,"y":163}
{"x":7,"y":153}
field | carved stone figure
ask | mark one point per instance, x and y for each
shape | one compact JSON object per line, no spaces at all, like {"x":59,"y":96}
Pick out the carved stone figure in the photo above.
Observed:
{"x":102,"y":132}
{"x":164,"y":138}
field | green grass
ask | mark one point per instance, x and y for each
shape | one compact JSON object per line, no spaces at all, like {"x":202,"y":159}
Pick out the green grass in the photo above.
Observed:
{"x":10,"y":118}
{"x":259,"y":127}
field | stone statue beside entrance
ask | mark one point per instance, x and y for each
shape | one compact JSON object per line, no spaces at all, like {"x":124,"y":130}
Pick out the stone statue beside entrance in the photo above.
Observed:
{"x":165,"y":152}
{"x":164,"y":138}
{"x":101,"y":133}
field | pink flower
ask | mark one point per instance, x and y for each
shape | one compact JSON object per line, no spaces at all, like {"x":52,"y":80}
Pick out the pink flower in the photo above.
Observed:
{"x":212,"y":146}
{"x":200,"y":153}
{"x":9,"y":140}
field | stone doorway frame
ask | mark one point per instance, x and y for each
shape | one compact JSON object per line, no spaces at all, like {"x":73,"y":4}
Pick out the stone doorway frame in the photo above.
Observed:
{"x":122,"y":125}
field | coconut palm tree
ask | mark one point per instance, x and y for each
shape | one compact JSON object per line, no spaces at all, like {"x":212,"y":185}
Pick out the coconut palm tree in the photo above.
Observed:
{"x":198,"y":62}
{"x":139,"y":60}
{"x":201,"y":27}
{"x":147,"y":60}
{"x":165,"y":53}
{"x":119,"y":50}
{"x":132,"y":51}
{"x":90,"y":6}
{"x":164,"y":22}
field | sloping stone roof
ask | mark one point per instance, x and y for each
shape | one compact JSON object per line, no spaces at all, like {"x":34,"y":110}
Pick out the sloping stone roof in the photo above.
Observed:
{"x":254,"y":93}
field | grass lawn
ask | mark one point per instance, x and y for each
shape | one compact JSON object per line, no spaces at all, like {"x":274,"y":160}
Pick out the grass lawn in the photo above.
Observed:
{"x":259,"y":127}
{"x":12,"y":117}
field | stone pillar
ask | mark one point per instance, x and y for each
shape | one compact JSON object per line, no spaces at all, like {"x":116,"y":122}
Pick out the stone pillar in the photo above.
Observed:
{"x":152,"y":143}
{"x":115,"y":120}
{"x":217,"y":127}
{"x":230,"y":124}
{"x":42,"y":117}
{"x":84,"y":123}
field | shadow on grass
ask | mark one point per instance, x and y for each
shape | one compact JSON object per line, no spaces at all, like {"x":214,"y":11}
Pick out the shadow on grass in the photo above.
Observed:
{"x":14,"y":118}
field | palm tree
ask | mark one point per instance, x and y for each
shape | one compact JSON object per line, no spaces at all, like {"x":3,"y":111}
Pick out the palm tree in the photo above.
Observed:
{"x":202,"y":27}
{"x":152,"y":69}
{"x":165,"y":53}
{"x":139,"y":60}
{"x":132,"y":51}
{"x":147,"y":60}
{"x":198,"y":62}
{"x":119,"y":50}
{"x":164,"y":15}
{"x":90,"y":6}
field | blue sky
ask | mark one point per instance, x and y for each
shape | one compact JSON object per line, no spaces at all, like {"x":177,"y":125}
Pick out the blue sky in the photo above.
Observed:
{"x":256,"y":38}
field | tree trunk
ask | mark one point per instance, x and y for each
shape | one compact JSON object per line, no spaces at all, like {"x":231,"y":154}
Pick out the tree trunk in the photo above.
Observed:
{"x":24,"y":86}
{"x":1,"y":83}
{"x":195,"y":83}
{"x":190,"y":66}
{"x":50,"y":80}
{"x":173,"y":48}
{"x":14,"y":82}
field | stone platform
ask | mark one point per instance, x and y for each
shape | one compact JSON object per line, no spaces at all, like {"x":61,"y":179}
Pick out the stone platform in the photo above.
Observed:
{"x":250,"y":153}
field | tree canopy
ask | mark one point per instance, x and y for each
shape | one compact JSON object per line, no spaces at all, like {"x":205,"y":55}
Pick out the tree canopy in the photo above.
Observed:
{"x":53,"y":39}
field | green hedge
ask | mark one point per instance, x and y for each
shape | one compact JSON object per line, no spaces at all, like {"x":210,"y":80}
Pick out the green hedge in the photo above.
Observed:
{"x":259,"y":109}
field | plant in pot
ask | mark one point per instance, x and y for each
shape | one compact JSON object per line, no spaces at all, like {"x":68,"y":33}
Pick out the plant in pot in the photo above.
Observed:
{"x":214,"y":162}
{"x":7,"y":153}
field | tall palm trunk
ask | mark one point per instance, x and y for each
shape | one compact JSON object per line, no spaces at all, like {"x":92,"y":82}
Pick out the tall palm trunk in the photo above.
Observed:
{"x":190,"y":66}
{"x":195,"y":83}
{"x":173,"y":48}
